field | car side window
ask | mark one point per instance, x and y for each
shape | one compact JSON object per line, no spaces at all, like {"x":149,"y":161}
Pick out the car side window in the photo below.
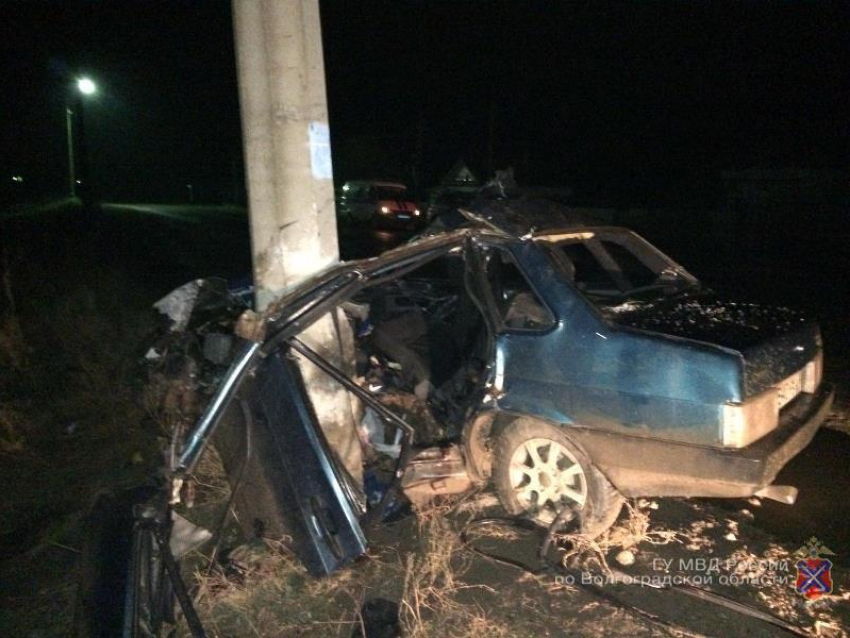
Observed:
{"x":518,"y":305}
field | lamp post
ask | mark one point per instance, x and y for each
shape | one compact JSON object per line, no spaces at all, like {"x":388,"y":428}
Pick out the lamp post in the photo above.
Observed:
{"x":69,"y":127}
{"x":77,"y":161}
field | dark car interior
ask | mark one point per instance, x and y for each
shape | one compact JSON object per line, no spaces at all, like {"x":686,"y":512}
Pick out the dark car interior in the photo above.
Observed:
{"x":422,"y":336}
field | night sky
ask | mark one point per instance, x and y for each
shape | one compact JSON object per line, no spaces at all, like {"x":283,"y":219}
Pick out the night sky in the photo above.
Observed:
{"x":628,"y":102}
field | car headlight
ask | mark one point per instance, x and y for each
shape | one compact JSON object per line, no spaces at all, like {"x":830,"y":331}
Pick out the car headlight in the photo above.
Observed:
{"x":416,"y":212}
{"x":813,"y":373}
{"x":385,"y":210}
{"x":746,"y":422}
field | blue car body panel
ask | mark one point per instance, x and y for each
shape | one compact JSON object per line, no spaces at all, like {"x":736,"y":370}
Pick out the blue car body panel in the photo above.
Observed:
{"x":586,"y":370}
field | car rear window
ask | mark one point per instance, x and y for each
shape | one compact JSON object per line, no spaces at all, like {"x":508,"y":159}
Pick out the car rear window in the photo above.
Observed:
{"x":633,"y":268}
{"x":589,"y":273}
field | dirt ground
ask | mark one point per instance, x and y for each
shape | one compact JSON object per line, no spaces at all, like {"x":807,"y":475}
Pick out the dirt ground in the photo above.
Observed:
{"x":75,"y":314}
{"x":420,"y":579}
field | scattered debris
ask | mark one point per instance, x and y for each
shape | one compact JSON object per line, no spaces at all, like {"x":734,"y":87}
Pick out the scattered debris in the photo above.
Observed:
{"x":435,"y":472}
{"x":626,"y":558}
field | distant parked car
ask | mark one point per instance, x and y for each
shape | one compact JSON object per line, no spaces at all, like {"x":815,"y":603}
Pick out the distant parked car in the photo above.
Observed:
{"x":380,"y":204}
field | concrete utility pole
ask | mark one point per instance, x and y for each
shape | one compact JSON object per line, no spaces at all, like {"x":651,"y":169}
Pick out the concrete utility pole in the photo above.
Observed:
{"x":290,"y":183}
{"x":287,"y":145}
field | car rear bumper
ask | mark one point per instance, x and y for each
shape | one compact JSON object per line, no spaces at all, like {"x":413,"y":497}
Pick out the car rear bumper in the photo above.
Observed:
{"x":640,"y":466}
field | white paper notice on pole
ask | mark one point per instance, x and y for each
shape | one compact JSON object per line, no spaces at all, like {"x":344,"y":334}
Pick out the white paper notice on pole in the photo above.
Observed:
{"x":320,"y":150}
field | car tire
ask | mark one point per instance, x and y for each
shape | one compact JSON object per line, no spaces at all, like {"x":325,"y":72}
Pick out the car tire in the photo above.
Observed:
{"x":119,"y":563}
{"x":149,"y":599}
{"x":530,"y":482}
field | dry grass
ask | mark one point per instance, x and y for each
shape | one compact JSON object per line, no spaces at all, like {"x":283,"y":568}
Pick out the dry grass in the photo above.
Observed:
{"x":13,"y":350}
{"x":210,"y":476}
{"x":430,"y":579}
{"x":264,"y":591}
{"x":69,"y":427}
{"x":435,"y":599}
{"x":13,"y":425}
{"x":14,"y":368}
{"x":172,"y":400}
{"x":635,"y":529}
{"x":631,"y":532}
{"x":477,"y":502}
{"x":261,"y":588}
{"x":101,"y":357}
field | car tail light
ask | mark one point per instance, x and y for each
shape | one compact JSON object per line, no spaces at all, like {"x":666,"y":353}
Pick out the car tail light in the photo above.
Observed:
{"x":746,"y":422}
{"x":813,"y":373}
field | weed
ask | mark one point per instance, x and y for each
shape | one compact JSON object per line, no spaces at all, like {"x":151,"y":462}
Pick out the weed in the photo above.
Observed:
{"x":633,"y":530}
{"x":433,"y":596}
{"x":263,"y":590}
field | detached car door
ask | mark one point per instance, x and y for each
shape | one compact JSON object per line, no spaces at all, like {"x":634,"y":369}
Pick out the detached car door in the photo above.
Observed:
{"x":291,"y":477}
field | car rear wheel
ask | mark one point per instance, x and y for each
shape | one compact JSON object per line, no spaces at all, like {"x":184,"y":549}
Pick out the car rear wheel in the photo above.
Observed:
{"x":538,"y":471}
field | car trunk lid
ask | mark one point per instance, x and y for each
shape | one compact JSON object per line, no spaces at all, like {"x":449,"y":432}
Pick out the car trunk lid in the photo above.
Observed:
{"x":775,"y":342}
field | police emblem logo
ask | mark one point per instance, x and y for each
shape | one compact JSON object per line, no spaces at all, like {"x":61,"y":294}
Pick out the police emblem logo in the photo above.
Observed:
{"x":814,"y":572}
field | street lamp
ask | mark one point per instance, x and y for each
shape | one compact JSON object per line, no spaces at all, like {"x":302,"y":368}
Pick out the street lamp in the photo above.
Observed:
{"x":84,"y":86}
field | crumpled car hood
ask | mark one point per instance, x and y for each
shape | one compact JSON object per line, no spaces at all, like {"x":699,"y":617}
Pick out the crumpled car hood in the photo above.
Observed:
{"x":774,"y":341}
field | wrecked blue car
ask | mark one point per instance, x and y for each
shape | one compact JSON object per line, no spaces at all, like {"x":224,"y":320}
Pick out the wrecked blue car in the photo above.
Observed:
{"x":571,"y":368}
{"x":568,"y":368}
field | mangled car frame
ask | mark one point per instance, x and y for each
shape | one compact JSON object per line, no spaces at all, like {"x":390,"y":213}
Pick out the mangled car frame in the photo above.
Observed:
{"x":571,"y":368}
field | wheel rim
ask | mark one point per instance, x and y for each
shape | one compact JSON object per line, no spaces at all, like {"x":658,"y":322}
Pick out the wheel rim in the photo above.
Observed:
{"x":546,"y":477}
